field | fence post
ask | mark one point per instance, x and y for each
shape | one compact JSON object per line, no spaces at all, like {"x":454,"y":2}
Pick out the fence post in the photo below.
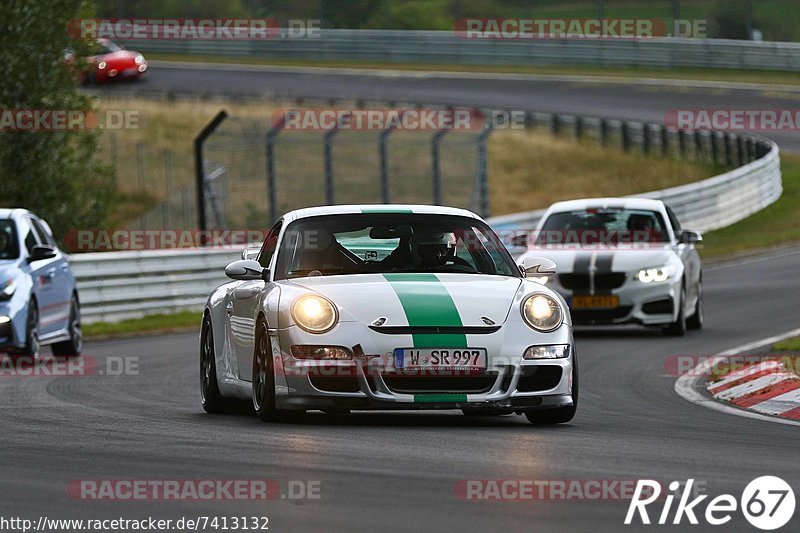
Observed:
{"x":140,"y":164}
{"x":328,"y":152}
{"x":714,"y":138}
{"x":272,"y":201}
{"x":741,"y":150}
{"x":168,"y":186}
{"x":625,"y":133}
{"x":555,"y":124}
{"x":481,"y":173}
{"x":603,"y":131}
{"x":728,"y":149}
{"x":383,"y":148}
{"x":579,"y":127}
{"x":646,"y":141}
{"x":664,"y":140}
{"x":682,"y":143}
{"x":699,"y":150}
{"x":436,"y":165}
{"x":199,"y":171}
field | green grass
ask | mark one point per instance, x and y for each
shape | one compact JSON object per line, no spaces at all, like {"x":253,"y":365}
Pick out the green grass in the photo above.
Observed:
{"x":778,"y":224}
{"x":789,"y":345}
{"x":725,"y":75}
{"x":151,"y":324}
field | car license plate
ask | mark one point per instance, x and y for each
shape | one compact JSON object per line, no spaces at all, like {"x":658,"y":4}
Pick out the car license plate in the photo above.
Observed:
{"x":604,"y":302}
{"x":455,"y":358}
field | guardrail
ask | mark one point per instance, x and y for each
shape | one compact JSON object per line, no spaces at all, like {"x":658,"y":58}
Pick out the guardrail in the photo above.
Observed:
{"x":119,"y":285}
{"x":445,"y":47}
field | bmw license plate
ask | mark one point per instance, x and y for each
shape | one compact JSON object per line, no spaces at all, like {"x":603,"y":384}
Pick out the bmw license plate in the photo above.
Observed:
{"x":595,"y":302}
{"x":455,"y":358}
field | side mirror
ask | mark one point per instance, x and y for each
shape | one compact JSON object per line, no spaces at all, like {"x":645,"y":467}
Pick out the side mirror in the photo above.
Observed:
{"x":537,"y":268}
{"x":690,"y":237}
{"x":246,"y":270}
{"x":41,"y":252}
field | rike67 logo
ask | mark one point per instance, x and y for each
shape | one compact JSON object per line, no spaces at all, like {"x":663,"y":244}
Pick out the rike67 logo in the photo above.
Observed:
{"x":767,"y":502}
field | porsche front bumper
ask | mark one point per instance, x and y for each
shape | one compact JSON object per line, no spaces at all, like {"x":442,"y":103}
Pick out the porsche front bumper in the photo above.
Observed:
{"x":369,"y":380}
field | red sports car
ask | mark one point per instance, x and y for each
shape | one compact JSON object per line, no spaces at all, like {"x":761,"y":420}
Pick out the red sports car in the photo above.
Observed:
{"x":115,"y":62}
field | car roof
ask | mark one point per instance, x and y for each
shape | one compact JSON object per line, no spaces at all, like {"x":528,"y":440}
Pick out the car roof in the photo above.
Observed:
{"x":376,"y":208}
{"x":602,"y":203}
{"x":6,"y":212}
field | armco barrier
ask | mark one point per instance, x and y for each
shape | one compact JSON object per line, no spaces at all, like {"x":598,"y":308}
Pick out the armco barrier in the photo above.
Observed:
{"x":445,"y":47}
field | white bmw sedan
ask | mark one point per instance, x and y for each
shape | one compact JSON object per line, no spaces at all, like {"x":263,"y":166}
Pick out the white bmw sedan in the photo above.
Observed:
{"x":387,"y":307}
{"x":623,"y":260}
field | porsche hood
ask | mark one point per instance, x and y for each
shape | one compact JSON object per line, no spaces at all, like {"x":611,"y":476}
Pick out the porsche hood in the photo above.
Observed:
{"x":418,"y":299}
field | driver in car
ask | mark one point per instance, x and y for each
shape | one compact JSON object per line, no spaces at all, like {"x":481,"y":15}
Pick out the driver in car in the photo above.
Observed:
{"x":425,"y":249}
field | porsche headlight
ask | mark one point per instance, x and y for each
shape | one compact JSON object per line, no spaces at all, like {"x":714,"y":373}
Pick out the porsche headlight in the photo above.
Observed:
{"x":138,"y":59}
{"x":655,"y":275}
{"x":542,"y":312}
{"x":101,"y":65}
{"x":7,"y":289}
{"x":314,"y":314}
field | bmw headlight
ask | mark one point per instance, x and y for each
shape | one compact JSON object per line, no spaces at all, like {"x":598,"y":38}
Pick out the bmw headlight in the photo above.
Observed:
{"x":542,"y":312}
{"x":655,"y":275}
{"x":314,"y":314}
{"x":7,"y":289}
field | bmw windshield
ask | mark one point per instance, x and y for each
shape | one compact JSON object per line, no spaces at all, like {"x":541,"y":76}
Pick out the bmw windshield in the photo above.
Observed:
{"x":391,"y":242}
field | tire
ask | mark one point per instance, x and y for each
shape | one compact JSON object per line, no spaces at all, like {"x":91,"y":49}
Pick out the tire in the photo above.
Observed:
{"x":32,"y":347}
{"x":559,"y":415}
{"x":695,"y":321}
{"x":264,"y":380}
{"x":212,"y":400}
{"x":73,"y":346}
{"x":678,"y":328}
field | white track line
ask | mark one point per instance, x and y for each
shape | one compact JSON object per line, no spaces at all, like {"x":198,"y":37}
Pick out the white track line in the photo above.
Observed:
{"x":688,"y":384}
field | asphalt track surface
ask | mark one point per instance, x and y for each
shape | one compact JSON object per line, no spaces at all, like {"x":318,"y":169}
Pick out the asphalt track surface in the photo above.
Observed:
{"x":397,"y":471}
{"x":647,"y":100}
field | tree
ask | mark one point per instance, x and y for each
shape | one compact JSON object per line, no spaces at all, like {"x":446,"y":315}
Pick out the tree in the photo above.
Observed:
{"x":49,"y":172}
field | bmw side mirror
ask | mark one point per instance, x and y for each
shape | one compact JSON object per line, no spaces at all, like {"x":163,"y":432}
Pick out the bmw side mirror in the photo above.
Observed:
{"x":41,"y":252}
{"x":537,"y":268}
{"x":690,"y":237}
{"x":246,"y":270}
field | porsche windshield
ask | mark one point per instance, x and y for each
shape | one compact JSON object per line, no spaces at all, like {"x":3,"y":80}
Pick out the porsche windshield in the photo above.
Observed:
{"x":391,"y":242}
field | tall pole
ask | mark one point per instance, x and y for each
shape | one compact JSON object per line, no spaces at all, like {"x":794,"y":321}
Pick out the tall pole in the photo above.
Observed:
{"x":601,"y":9}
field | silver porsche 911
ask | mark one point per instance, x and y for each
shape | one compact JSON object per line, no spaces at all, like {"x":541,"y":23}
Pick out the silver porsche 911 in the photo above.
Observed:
{"x":387,"y":307}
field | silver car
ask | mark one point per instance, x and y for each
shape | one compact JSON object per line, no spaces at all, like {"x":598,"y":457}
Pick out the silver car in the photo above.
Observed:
{"x":623,"y":260}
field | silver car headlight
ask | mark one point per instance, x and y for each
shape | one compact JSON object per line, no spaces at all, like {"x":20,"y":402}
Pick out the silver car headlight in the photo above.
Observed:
{"x":655,"y":275}
{"x":314,"y":314}
{"x":7,"y":289}
{"x":542,"y":312}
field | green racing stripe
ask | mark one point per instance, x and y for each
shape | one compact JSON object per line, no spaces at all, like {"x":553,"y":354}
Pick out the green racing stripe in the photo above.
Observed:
{"x":426,"y":302}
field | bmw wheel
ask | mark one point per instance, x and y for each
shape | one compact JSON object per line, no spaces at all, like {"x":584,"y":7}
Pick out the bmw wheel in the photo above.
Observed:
{"x":696,"y":320}
{"x":678,"y":328}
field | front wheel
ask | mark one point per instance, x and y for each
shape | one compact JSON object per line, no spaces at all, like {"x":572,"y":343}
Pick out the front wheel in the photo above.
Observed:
{"x":264,"y":380}
{"x":678,"y":328}
{"x":212,"y":400}
{"x":71,"y":347}
{"x":696,"y":320}
{"x":32,"y":346}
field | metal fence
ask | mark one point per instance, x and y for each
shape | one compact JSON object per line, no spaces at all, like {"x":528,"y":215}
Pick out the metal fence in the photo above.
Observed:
{"x":119,"y":285}
{"x":254,"y":172}
{"x":444,"y":47}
